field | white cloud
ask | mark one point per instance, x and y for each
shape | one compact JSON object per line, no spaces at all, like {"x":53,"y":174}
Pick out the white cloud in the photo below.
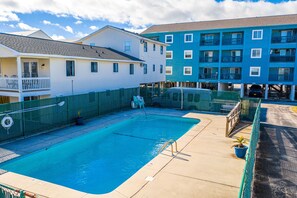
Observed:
{"x":67,"y":28}
{"x":78,"y":22}
{"x":57,"y":37}
{"x":7,"y":15}
{"x":11,"y":25}
{"x":141,"y":13}
{"x":135,"y":30}
{"x":94,"y":27}
{"x":24,"y":26}
{"x":80,"y":35}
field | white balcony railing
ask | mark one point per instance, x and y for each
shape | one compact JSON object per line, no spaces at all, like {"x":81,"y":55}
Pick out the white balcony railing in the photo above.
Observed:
{"x":28,"y":84}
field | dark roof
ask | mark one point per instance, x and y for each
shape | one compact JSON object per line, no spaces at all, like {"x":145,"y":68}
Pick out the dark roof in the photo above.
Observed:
{"x":225,"y":24}
{"x":31,"y":45}
{"x":123,"y":30}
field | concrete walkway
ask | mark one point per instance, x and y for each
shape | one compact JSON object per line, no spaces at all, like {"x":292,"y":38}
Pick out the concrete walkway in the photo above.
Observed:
{"x":205,"y":165}
{"x":276,"y":163}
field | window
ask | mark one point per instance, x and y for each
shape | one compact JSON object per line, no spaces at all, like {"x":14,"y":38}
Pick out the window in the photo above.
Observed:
{"x":161,"y":49}
{"x":70,"y":68}
{"x":94,"y":67}
{"x":254,"y":71}
{"x":169,"y":54}
{"x":145,"y":46}
{"x":154,"y":67}
{"x":127,"y":46}
{"x":197,"y":98}
{"x":144,"y":68}
{"x":188,"y":38}
{"x":161,"y":69}
{"x":168,"y":70}
{"x":131,"y":69}
{"x":169,"y":38}
{"x":187,"y":70}
{"x":190,"y":97}
{"x":256,"y":53}
{"x":154,"y":47}
{"x":188,"y":54}
{"x":257,"y":35}
{"x":115,"y":67}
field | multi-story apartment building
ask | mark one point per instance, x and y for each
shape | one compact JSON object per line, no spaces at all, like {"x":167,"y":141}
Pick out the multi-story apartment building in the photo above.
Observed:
{"x":33,"y":68}
{"x":152,"y":52}
{"x":221,"y":53}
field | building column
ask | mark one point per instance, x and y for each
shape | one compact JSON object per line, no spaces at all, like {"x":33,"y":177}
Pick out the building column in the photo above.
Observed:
{"x":219,"y":87}
{"x":292,"y":94}
{"x":197,"y":85}
{"x":266,"y":91}
{"x":19,"y":72}
{"x":241,"y":90}
{"x":177,"y":84}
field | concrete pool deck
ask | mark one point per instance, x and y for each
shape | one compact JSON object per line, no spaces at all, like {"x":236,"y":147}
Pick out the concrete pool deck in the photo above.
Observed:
{"x":204,"y":166}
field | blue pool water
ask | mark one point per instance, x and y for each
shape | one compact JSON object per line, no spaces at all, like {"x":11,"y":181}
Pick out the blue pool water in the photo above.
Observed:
{"x":100,"y":161}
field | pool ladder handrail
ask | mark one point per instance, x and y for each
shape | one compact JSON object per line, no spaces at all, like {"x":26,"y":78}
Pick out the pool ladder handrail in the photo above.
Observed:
{"x":169,"y":142}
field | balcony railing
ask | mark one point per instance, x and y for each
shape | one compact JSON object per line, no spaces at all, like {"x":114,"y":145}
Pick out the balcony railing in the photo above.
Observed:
{"x":213,"y":59}
{"x":231,"y":59}
{"x":281,"y":77}
{"x":230,"y":76}
{"x":232,"y":41}
{"x":278,"y":58}
{"x":28,"y":84}
{"x":207,"y":42}
{"x":283,"y":39}
{"x":209,"y":76}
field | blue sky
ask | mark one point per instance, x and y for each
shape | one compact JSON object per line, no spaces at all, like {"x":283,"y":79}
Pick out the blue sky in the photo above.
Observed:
{"x":74,"y":19}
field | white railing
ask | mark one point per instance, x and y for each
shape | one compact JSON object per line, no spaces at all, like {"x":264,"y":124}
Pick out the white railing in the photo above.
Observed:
{"x":28,"y":84}
{"x":35,"y":83}
{"x":9,"y":84}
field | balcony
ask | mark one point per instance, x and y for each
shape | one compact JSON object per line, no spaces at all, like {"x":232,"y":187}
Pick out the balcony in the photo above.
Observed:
{"x":231,"y":59}
{"x":210,"y":42}
{"x":278,"y":58}
{"x":283,"y":39}
{"x":232,"y":41}
{"x":213,"y":59}
{"x":28,"y":84}
{"x":208,"y":76}
{"x":230,"y":76}
{"x":281,"y":77}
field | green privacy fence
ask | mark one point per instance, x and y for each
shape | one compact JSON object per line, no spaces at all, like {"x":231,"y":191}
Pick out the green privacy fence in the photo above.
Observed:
{"x":247,"y":178}
{"x":190,"y":99}
{"x":31,"y":117}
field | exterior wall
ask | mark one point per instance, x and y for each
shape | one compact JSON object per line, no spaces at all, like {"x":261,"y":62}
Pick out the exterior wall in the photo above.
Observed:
{"x":178,"y":62}
{"x":116,"y":39}
{"x":8,"y":66}
{"x":84,"y":81}
{"x":40,"y":34}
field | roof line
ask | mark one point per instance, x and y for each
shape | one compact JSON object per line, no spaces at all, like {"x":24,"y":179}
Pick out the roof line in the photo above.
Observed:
{"x":227,"y":19}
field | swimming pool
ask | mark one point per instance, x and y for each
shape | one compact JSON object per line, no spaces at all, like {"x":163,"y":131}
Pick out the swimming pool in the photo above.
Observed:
{"x":100,"y":161}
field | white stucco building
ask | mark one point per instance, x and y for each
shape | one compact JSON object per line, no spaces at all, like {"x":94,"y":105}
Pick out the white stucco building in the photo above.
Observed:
{"x":152,"y":52}
{"x":32,"y":68}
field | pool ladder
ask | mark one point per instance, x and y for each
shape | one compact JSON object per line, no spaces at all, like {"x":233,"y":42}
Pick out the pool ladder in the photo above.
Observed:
{"x":169,"y":142}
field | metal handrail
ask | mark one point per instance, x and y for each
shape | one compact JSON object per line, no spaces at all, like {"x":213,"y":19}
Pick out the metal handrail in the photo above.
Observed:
{"x":169,"y":142}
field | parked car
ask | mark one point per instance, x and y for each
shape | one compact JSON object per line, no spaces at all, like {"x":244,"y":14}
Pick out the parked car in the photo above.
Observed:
{"x":256,"y":91}
{"x":187,"y":98}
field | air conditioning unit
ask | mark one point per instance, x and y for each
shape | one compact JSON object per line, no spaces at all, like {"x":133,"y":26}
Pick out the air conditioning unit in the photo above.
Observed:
{"x":141,"y":41}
